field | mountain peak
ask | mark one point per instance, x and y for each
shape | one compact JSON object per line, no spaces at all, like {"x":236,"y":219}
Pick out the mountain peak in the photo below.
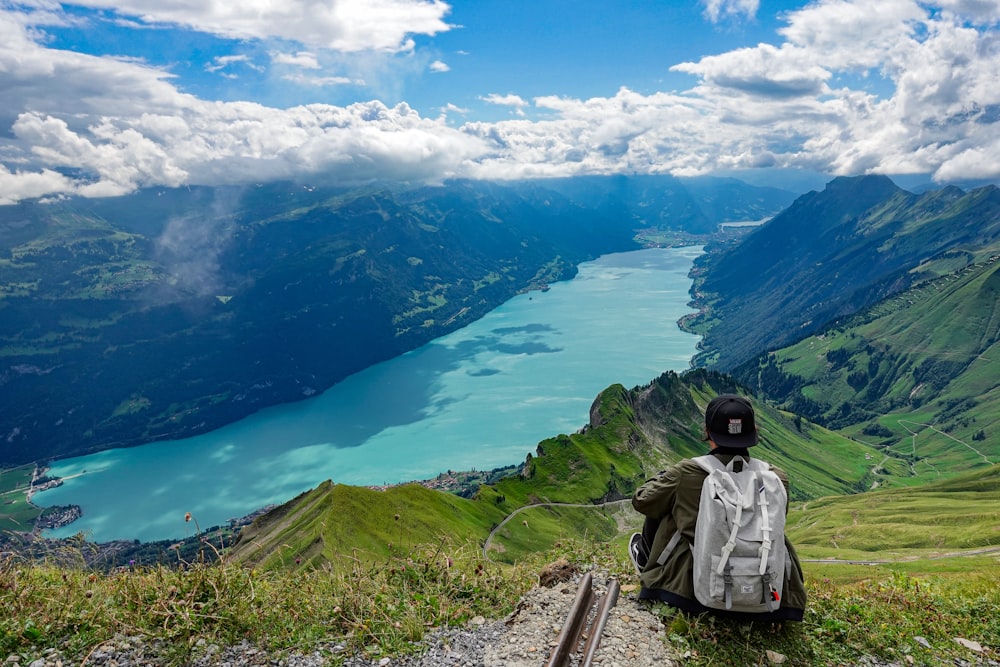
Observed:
{"x":867,"y":180}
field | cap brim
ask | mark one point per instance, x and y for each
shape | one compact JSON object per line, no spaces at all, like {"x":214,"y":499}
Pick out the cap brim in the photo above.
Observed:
{"x":735,"y":441}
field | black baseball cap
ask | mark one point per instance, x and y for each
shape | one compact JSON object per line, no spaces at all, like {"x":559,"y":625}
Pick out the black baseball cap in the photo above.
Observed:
{"x":730,"y":421}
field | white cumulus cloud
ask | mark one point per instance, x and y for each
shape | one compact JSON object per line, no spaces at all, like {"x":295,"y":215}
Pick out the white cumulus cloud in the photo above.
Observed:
{"x":505,"y":100}
{"x":342,"y":25}
{"x":850,"y":87}
{"x":516,"y":102}
{"x":302,"y":59}
{"x":716,"y":10}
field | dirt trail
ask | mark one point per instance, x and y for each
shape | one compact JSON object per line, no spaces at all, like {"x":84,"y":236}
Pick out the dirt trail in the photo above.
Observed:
{"x":914,"y":434}
{"x":489,"y":539}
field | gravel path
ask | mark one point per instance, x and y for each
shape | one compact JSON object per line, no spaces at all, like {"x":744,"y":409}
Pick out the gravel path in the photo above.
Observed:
{"x":633,"y":637}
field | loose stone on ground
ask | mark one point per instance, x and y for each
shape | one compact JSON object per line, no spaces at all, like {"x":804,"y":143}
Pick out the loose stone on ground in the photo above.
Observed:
{"x":633,"y":637}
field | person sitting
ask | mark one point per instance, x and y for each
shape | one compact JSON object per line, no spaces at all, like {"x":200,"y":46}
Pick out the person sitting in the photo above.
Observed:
{"x":663,"y":554}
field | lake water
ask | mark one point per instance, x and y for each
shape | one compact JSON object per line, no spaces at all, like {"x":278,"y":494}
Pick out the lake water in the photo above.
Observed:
{"x":478,"y":398}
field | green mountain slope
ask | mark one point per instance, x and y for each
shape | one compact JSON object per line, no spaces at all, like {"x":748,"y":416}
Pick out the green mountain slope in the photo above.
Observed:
{"x":958,"y":514}
{"x":631,"y":435}
{"x":830,"y":254}
{"x":916,"y":374}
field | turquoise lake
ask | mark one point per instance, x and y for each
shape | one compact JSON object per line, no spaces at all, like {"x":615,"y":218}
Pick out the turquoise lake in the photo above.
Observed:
{"x":478,"y":398}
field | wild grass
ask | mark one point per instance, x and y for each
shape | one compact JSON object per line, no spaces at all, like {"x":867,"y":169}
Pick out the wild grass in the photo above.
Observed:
{"x":911,"y":612}
{"x":894,"y":617}
{"x":349,"y":605}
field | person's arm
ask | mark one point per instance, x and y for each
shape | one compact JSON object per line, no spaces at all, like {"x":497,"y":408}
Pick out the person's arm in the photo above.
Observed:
{"x":655,"y":498}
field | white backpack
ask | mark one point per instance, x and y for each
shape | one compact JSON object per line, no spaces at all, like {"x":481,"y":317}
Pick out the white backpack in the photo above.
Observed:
{"x":739,"y":538}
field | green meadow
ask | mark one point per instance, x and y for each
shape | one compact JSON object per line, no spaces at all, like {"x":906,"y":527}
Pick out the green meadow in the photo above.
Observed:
{"x":16,"y":514}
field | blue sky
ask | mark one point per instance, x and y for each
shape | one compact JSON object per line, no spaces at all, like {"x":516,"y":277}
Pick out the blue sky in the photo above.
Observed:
{"x":101,"y":97}
{"x":529,"y":48}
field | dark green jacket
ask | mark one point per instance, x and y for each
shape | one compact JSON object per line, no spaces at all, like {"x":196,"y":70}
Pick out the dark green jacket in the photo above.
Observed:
{"x":672,"y":497}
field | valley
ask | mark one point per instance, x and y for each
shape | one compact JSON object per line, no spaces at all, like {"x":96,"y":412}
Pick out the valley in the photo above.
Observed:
{"x":169,"y":313}
{"x":909,"y":443}
{"x":882,"y":415}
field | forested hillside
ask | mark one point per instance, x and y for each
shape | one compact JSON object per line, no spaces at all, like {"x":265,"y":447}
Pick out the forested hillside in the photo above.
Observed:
{"x":171,"y":312}
{"x":916,"y":374}
{"x":830,"y":254}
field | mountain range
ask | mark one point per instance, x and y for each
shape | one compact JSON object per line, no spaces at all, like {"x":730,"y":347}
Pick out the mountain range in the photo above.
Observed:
{"x":877,"y":317}
{"x":832,"y":253}
{"x":899,"y":293}
{"x":862,"y":316}
{"x":172,"y":312}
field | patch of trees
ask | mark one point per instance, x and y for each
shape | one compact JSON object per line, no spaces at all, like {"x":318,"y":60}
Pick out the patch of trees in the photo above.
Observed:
{"x":764,"y":376}
{"x":877,"y":430}
{"x":848,"y":414}
{"x":955,"y":407}
{"x":808,"y":408}
{"x":838,"y":357}
{"x":936,"y":373}
{"x":857,"y":380}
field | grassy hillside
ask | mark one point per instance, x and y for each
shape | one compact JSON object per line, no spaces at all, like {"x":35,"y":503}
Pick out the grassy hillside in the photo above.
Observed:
{"x":631,"y":435}
{"x":916,"y":375}
{"x":955,"y":515}
{"x":383,"y":589}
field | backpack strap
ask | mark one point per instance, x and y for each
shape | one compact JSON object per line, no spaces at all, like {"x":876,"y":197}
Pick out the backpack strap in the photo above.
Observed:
{"x":710,"y":462}
{"x":727,"y":580}
{"x":765,"y":524}
{"x":768,"y":591}
{"x":728,"y":547}
{"x":675,"y":539}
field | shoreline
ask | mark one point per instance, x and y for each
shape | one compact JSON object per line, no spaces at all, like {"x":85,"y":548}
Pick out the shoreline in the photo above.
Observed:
{"x":126,"y":516}
{"x":55,"y":516}
{"x":34,"y":486}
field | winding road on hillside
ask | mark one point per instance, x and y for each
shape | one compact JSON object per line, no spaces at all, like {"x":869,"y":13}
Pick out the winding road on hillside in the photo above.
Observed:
{"x":489,"y":539}
{"x":980,"y":551}
{"x":914,"y":434}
